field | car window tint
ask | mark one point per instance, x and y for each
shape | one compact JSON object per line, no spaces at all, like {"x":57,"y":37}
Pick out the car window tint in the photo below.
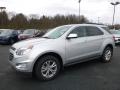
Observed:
{"x":15,"y":32}
{"x":93,"y":31}
{"x":107,"y":29}
{"x":80,"y":31}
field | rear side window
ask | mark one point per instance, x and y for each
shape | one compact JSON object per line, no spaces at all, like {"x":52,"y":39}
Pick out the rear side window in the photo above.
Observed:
{"x":93,"y":31}
{"x":80,"y":31}
{"x":107,"y":29}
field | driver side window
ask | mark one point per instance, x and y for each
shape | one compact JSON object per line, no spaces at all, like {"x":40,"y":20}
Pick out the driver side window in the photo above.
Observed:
{"x":80,"y":31}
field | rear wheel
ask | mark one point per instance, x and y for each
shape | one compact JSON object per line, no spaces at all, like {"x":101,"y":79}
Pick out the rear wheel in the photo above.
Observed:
{"x":107,"y":54}
{"x":47,"y":68}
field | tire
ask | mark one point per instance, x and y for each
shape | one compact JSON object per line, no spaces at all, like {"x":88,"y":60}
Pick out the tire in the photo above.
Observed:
{"x":107,"y":54}
{"x":44,"y":67}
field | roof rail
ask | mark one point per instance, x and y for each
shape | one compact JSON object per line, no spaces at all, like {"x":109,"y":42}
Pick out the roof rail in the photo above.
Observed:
{"x":94,"y":23}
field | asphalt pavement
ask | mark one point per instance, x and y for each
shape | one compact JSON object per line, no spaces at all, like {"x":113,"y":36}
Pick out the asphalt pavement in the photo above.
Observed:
{"x":92,"y":75}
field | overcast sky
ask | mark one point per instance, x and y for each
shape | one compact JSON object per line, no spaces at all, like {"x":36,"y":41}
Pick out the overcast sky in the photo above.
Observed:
{"x":92,"y":9}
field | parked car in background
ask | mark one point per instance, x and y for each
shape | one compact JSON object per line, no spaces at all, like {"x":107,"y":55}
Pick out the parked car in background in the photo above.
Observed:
{"x":116,"y":34}
{"x":28,"y":33}
{"x":40,"y":33}
{"x":8,"y":36}
{"x":62,"y":46}
{"x":20,"y":31}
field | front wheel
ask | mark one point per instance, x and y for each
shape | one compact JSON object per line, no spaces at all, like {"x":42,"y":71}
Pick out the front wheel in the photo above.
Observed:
{"x":107,"y":54}
{"x":47,"y":68}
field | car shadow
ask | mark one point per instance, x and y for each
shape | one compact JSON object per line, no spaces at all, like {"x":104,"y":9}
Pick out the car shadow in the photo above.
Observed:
{"x":27,"y":77}
{"x":81,"y":66}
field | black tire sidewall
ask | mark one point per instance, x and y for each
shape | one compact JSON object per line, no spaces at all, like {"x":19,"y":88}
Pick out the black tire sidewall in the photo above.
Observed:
{"x":37,"y":70}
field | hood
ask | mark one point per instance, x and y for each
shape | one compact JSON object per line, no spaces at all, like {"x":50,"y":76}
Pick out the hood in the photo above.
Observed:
{"x":116,"y":35}
{"x":32,"y":41}
{"x":3,"y":35}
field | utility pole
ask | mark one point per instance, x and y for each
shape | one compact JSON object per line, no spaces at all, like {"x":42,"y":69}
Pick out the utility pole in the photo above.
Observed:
{"x":79,"y":9}
{"x":114,"y":4}
{"x":98,"y":20}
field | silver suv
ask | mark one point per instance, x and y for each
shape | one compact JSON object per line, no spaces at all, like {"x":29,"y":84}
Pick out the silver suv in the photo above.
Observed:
{"x":62,"y":46}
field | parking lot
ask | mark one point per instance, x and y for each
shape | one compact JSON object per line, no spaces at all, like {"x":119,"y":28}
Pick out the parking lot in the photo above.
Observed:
{"x":92,"y":75}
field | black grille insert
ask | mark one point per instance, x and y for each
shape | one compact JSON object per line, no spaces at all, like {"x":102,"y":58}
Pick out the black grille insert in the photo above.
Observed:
{"x":11,"y":56}
{"x":13,"y":48}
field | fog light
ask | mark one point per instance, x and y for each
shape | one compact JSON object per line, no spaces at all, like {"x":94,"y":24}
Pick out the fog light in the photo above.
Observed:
{"x":21,"y":66}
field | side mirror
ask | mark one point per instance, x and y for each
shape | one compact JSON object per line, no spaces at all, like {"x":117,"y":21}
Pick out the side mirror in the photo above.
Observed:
{"x":70,"y":36}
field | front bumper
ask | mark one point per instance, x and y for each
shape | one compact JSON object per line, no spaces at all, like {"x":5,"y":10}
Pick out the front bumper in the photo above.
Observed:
{"x":4,"y":42}
{"x":117,"y":41}
{"x":21,"y":64}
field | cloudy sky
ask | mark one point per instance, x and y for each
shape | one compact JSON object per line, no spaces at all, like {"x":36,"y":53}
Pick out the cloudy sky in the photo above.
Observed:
{"x":92,"y":9}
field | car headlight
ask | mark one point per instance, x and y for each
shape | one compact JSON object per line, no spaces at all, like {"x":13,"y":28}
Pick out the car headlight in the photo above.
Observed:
{"x":24,"y":51}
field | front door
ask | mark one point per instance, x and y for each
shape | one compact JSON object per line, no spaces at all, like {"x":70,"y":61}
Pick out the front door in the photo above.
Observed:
{"x":76,"y":47}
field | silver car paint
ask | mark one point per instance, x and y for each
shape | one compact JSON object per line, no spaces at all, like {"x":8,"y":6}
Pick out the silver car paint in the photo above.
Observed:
{"x":69,"y":50}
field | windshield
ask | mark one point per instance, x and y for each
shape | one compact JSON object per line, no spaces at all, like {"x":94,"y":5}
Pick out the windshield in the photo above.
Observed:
{"x":115,"y":32}
{"x":57,"y":32}
{"x":6,"y":32}
{"x":29,"y":31}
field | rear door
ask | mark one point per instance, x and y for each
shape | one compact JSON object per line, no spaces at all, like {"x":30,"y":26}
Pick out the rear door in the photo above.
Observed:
{"x":94,"y":40}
